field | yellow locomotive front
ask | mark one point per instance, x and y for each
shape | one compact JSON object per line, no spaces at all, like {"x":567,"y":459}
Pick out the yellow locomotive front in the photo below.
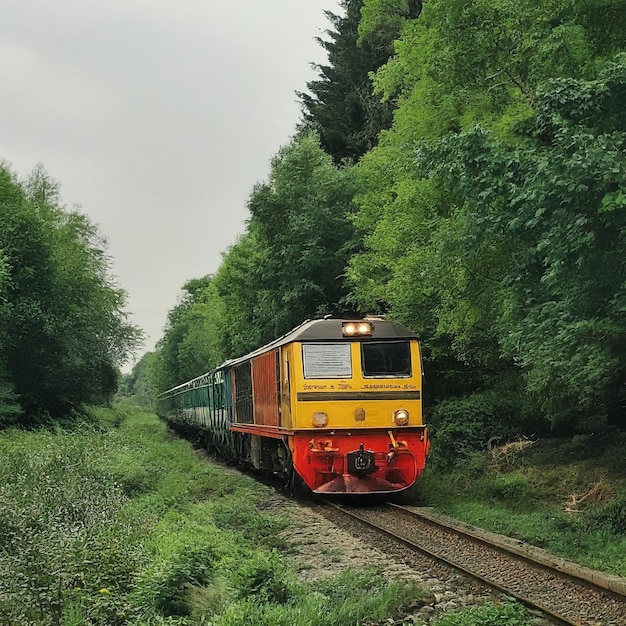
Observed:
{"x":352,"y":391}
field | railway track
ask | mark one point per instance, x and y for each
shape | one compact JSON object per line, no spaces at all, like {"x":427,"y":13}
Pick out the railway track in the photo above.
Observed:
{"x":564,"y":591}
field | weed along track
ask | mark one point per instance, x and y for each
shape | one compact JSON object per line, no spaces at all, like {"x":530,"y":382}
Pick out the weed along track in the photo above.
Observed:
{"x":566,"y":592}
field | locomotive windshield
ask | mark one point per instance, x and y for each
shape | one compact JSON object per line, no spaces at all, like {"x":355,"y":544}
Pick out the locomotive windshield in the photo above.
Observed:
{"x":389,"y":358}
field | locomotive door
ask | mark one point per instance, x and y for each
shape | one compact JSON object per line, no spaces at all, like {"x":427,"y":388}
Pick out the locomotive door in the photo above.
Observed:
{"x":285,"y":387}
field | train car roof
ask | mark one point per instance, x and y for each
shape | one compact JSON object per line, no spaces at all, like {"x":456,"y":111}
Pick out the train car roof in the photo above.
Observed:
{"x":328,"y":330}
{"x":311,"y":330}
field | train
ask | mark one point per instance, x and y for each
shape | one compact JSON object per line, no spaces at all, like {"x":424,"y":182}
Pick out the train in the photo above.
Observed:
{"x":334,"y":406}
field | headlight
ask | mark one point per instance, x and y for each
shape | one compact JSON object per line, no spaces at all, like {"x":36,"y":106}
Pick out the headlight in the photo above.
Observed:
{"x":401,"y":417}
{"x":354,"y":329}
{"x":320,"y":420}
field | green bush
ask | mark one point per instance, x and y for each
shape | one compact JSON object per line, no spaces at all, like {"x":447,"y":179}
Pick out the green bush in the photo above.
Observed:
{"x":210,"y":600}
{"x":461,"y":426}
{"x":504,"y":614}
{"x":252,"y":524}
{"x":513,"y":489}
{"x":250,"y":611}
{"x":265,"y":577}
{"x":10,"y":409}
{"x":164,"y":585}
{"x":611,"y":516}
{"x":65,"y":537}
{"x":352,"y":597}
{"x":88,"y":540}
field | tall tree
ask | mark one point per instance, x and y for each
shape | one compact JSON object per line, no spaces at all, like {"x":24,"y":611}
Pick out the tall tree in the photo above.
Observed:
{"x":247,"y":315}
{"x":191,"y":344}
{"x":9,"y":406}
{"x":66,"y":333}
{"x":558,"y":206}
{"x":290,"y":263}
{"x":301,"y":217}
{"x":341,"y":106}
{"x":138,"y":384}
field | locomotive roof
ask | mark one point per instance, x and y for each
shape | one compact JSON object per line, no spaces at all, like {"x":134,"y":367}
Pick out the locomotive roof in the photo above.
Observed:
{"x":328,"y":330}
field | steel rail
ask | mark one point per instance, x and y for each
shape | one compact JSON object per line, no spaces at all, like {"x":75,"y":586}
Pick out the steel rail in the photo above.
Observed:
{"x":489,"y":541}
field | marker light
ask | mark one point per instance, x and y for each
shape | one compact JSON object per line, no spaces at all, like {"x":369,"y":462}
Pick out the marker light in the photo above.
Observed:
{"x":401,"y":417}
{"x":320,"y":420}
{"x":357,"y":329}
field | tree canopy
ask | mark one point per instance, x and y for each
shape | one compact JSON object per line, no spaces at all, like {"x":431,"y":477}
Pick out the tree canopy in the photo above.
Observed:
{"x":556,"y":204}
{"x":504,"y":110}
{"x":64,"y":329}
{"x":467,"y":180}
{"x":341,"y":106}
{"x":190,"y":345}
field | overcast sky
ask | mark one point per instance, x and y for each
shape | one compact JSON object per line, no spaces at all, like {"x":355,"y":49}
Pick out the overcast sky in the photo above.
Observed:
{"x":157,"y":117}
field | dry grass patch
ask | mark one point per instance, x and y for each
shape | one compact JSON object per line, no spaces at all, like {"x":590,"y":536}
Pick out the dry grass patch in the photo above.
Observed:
{"x":601,"y":491}
{"x":506,"y":457}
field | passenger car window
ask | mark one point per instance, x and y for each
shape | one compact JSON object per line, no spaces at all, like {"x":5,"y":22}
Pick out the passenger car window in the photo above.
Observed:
{"x":389,"y":358}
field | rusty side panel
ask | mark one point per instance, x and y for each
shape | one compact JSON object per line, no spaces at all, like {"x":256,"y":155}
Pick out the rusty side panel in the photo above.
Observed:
{"x":265,"y":389}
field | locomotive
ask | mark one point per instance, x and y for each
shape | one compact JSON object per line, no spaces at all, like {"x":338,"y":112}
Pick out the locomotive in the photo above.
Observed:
{"x":334,"y":404}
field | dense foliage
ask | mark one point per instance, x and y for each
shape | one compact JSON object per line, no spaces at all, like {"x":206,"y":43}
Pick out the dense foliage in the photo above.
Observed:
{"x":140,"y":383}
{"x":302,"y":242}
{"x":63,"y":329}
{"x":482,"y":133}
{"x":190,"y":345}
{"x":487,"y":214}
{"x":120,"y":523}
{"x":555,"y":203}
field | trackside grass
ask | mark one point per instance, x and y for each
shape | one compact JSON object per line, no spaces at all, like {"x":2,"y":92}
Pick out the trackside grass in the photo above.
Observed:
{"x":118,"y":522}
{"x":566,"y":496}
